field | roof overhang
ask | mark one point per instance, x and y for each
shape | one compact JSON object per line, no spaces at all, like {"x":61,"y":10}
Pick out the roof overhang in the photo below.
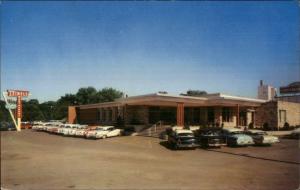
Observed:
{"x":169,"y":100}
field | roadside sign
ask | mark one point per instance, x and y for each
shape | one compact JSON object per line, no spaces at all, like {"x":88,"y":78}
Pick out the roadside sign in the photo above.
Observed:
{"x":11,"y":104}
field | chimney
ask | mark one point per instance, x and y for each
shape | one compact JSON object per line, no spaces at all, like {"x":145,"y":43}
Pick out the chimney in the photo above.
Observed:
{"x":261,"y":82}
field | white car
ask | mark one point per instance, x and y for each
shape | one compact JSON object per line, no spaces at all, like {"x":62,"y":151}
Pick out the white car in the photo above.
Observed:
{"x":74,"y":128}
{"x":66,"y":129}
{"x":80,"y":131}
{"x":295,"y":133}
{"x":103,"y":132}
{"x":261,"y":137}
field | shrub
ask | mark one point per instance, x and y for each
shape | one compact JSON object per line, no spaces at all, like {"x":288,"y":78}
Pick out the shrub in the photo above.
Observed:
{"x":251,"y":126}
{"x":266,"y":127}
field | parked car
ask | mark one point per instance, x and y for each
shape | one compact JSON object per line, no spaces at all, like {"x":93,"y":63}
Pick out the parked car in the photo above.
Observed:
{"x":295,"y":134}
{"x":35,"y":125}
{"x":91,"y":132}
{"x":210,"y":137}
{"x":26,"y":125}
{"x":6,"y":126}
{"x":182,"y":138}
{"x":80,"y":132}
{"x":66,"y":129}
{"x":261,"y":137}
{"x":236,"y":137}
{"x":104,"y":132}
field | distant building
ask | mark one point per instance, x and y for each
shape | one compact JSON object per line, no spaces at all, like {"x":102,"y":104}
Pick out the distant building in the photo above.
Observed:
{"x":290,"y":93}
{"x":266,"y":92}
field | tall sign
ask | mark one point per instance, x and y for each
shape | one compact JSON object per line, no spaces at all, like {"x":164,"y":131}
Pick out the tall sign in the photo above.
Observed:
{"x":13,"y":100}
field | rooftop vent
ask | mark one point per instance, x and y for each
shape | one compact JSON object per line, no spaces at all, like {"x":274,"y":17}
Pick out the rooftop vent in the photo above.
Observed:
{"x":163,"y":92}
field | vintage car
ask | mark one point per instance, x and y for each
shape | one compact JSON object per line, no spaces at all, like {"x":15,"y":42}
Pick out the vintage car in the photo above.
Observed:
{"x":236,"y":137}
{"x":74,"y":128}
{"x":45,"y":126}
{"x":295,"y":134}
{"x":104,"y":132}
{"x":80,"y":131}
{"x":26,"y":125}
{"x":261,"y":137}
{"x":7,"y":126}
{"x":182,"y":138}
{"x":210,"y":137}
{"x":36,"y":125}
{"x":65,"y":130}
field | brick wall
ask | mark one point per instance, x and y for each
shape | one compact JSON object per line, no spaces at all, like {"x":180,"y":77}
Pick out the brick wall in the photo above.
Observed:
{"x":267,"y":113}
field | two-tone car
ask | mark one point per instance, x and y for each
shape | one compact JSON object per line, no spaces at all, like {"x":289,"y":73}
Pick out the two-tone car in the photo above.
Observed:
{"x":236,"y":137}
{"x":65,"y":130}
{"x":102,"y":132}
{"x":261,"y":137}
{"x":182,"y":138}
{"x":80,"y":132}
{"x":74,"y":128}
{"x":295,"y":134}
{"x":210,"y":137}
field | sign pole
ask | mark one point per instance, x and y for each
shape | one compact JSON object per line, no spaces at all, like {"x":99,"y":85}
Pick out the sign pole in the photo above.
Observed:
{"x":10,"y":112}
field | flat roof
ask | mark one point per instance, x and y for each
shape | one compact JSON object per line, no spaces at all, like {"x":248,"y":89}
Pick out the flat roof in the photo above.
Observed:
{"x":162,"y":99}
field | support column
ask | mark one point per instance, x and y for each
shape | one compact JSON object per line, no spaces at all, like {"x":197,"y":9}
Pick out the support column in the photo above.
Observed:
{"x":237,"y":115}
{"x":71,"y":114}
{"x":180,"y":114}
{"x":113,"y":114}
{"x":253,"y":118}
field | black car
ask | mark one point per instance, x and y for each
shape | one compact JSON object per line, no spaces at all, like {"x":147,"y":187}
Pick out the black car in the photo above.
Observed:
{"x":6,"y":126}
{"x":210,"y":137}
{"x":182,"y":139}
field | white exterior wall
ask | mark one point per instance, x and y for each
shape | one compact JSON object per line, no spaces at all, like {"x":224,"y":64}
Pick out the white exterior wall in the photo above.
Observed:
{"x":266,"y":92}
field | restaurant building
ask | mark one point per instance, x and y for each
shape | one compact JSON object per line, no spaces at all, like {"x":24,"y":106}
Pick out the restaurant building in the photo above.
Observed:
{"x":207,"y":110}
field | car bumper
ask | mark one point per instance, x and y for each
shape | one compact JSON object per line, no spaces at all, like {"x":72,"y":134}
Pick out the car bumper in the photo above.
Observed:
{"x":193,"y":145}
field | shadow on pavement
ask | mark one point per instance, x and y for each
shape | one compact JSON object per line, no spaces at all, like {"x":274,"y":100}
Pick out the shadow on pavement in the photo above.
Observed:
{"x":255,"y":157}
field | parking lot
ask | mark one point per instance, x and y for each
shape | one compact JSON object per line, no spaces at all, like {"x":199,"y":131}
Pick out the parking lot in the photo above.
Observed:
{"x":38,"y":160}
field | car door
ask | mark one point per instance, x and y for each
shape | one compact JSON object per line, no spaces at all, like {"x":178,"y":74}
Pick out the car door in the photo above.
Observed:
{"x":111,"y":132}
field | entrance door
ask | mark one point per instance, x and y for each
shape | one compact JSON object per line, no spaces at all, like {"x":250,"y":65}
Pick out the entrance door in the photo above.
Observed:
{"x":211,"y":115}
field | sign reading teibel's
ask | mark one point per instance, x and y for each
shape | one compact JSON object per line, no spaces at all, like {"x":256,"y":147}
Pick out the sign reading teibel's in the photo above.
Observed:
{"x":11,"y":104}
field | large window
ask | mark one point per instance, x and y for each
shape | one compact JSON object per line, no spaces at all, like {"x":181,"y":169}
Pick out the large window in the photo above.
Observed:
{"x":226,"y":115}
{"x":165,"y":114}
{"x":282,"y":116}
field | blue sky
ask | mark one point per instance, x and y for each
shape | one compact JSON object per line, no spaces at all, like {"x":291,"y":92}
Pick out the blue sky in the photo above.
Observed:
{"x":53,"y":48}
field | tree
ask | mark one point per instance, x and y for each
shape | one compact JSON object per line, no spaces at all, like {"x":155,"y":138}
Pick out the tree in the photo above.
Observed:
{"x":108,"y":95}
{"x":4,"y":113}
{"x":86,"y":95}
{"x":31,"y":111}
{"x":60,"y":110}
{"x":47,"y":108}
